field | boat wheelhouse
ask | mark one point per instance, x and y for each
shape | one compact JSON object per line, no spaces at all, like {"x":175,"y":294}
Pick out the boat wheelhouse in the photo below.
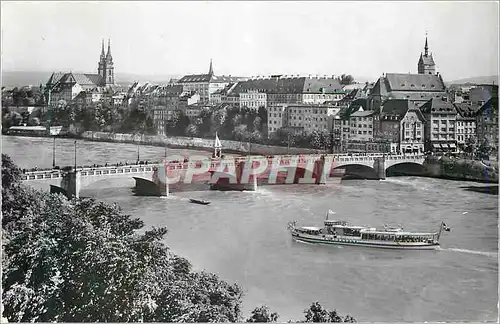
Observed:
{"x":343,"y":233}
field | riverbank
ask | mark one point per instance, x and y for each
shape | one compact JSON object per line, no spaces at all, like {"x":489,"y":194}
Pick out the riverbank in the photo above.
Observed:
{"x":205,"y":144}
{"x":461,"y":169}
{"x":433,"y":167}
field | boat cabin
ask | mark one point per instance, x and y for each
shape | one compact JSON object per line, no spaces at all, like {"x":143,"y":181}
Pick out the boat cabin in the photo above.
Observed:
{"x":399,"y":236}
{"x":309,"y":230}
{"x":342,"y":228}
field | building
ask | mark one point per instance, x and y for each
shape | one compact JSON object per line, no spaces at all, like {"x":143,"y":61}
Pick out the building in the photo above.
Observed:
{"x":487,"y":123}
{"x":66,"y":86}
{"x":466,"y":122}
{"x":426,"y":63}
{"x":276,"y":118}
{"x":401,"y":123}
{"x":321,"y":90}
{"x":418,"y":88}
{"x":253,"y":99}
{"x":301,"y":117}
{"x":480,"y":94}
{"x":105,"y":67}
{"x":278,"y":89}
{"x":440,"y":127}
{"x":361,"y":125}
{"x":165,"y":105}
{"x":206,"y":84}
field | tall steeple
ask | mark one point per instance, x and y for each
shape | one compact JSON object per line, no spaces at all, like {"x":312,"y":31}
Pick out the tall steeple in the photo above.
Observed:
{"x":211,"y":70}
{"x":426,"y":48}
{"x":426,"y":63}
{"x":102,"y":48}
{"x":108,"y":54}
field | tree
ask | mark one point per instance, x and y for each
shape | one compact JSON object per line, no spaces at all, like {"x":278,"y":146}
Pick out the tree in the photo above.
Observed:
{"x":346,"y":79}
{"x":317,"y":314}
{"x":484,"y":149}
{"x":470,"y":145}
{"x":191,"y":130}
{"x":262,"y":314}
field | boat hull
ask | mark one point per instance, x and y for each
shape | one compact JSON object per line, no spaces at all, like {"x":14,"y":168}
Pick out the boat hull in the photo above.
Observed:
{"x":364,"y":243}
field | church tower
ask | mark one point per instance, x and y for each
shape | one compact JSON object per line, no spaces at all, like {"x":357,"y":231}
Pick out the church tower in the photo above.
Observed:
{"x":211,"y":69}
{"x":101,"y":70}
{"x":426,"y":63}
{"x":110,"y":70}
{"x":106,"y":69}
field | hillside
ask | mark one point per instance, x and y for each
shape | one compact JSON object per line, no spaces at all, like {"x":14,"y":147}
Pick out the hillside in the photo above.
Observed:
{"x":477,"y":80}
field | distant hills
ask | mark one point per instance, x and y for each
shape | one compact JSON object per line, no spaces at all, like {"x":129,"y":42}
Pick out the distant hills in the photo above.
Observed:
{"x":477,"y":80}
{"x":35,"y":78}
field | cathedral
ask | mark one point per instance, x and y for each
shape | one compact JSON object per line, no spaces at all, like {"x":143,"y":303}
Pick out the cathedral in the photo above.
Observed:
{"x":67,"y":85}
{"x":106,"y":69}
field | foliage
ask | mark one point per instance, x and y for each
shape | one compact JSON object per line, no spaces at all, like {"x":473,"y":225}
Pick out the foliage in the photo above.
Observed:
{"x":484,"y":150}
{"x":83,"y":260}
{"x":262,"y":314}
{"x":317,"y":314}
{"x":346,"y":79}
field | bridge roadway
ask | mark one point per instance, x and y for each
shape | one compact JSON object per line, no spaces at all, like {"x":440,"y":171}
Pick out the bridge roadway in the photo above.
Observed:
{"x":338,"y":160}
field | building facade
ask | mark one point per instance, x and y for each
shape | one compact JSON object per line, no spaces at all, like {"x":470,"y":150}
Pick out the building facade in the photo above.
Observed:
{"x":440,"y":127}
{"x":206,"y":84}
{"x":66,"y":86}
{"x":487,"y":123}
{"x":466,"y":122}
{"x":401,"y":123}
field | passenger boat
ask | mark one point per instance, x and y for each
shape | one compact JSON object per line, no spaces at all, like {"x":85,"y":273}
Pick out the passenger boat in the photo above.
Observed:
{"x":201,"y":202}
{"x":340,"y":232}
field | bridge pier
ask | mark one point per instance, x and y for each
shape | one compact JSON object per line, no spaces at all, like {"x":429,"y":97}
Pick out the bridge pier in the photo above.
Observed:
{"x":379,"y":167}
{"x":71,"y":183}
{"x":318,"y":170}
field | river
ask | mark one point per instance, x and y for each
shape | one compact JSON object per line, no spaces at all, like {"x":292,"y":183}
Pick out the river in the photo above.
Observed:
{"x":242,"y":237}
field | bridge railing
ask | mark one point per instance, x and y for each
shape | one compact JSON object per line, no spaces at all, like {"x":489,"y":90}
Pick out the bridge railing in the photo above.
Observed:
{"x":88,"y":171}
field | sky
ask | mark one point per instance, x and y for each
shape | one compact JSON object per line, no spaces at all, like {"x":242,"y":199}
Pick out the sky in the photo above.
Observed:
{"x":365,"y":39}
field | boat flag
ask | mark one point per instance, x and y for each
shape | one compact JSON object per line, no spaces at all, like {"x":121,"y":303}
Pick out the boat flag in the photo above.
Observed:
{"x":446,"y":228}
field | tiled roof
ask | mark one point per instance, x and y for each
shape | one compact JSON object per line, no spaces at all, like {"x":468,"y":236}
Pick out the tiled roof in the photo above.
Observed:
{"x":290,"y":85}
{"x":426,"y":59}
{"x":207,"y":78}
{"x":318,"y":85}
{"x":85,"y":80}
{"x":489,"y":107}
{"x":415,"y":96}
{"x":438,"y":105}
{"x":363,"y":113}
{"x":414,"y":82}
{"x":479,"y":94}
{"x":466,"y":109}
{"x":55,"y":77}
{"x":398,"y":108}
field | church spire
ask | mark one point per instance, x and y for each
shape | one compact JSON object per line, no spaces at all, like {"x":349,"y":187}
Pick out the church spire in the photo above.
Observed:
{"x":108,"y":55}
{"x":211,"y":70}
{"x":102,"y":48}
{"x":426,"y":48}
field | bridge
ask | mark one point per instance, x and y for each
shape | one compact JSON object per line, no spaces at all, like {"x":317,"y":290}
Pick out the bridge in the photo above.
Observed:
{"x":313,"y":164}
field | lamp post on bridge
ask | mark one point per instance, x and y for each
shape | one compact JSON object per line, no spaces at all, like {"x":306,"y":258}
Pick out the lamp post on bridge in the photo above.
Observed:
{"x":54,"y":154}
{"x":75,"y":156}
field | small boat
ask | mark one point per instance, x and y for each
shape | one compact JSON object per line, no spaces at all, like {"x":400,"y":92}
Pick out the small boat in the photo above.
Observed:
{"x":201,"y":202}
{"x":340,"y":232}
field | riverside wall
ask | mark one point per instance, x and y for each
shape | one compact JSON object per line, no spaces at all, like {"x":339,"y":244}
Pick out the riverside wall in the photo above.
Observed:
{"x":195,"y":143}
{"x":461,"y":169}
